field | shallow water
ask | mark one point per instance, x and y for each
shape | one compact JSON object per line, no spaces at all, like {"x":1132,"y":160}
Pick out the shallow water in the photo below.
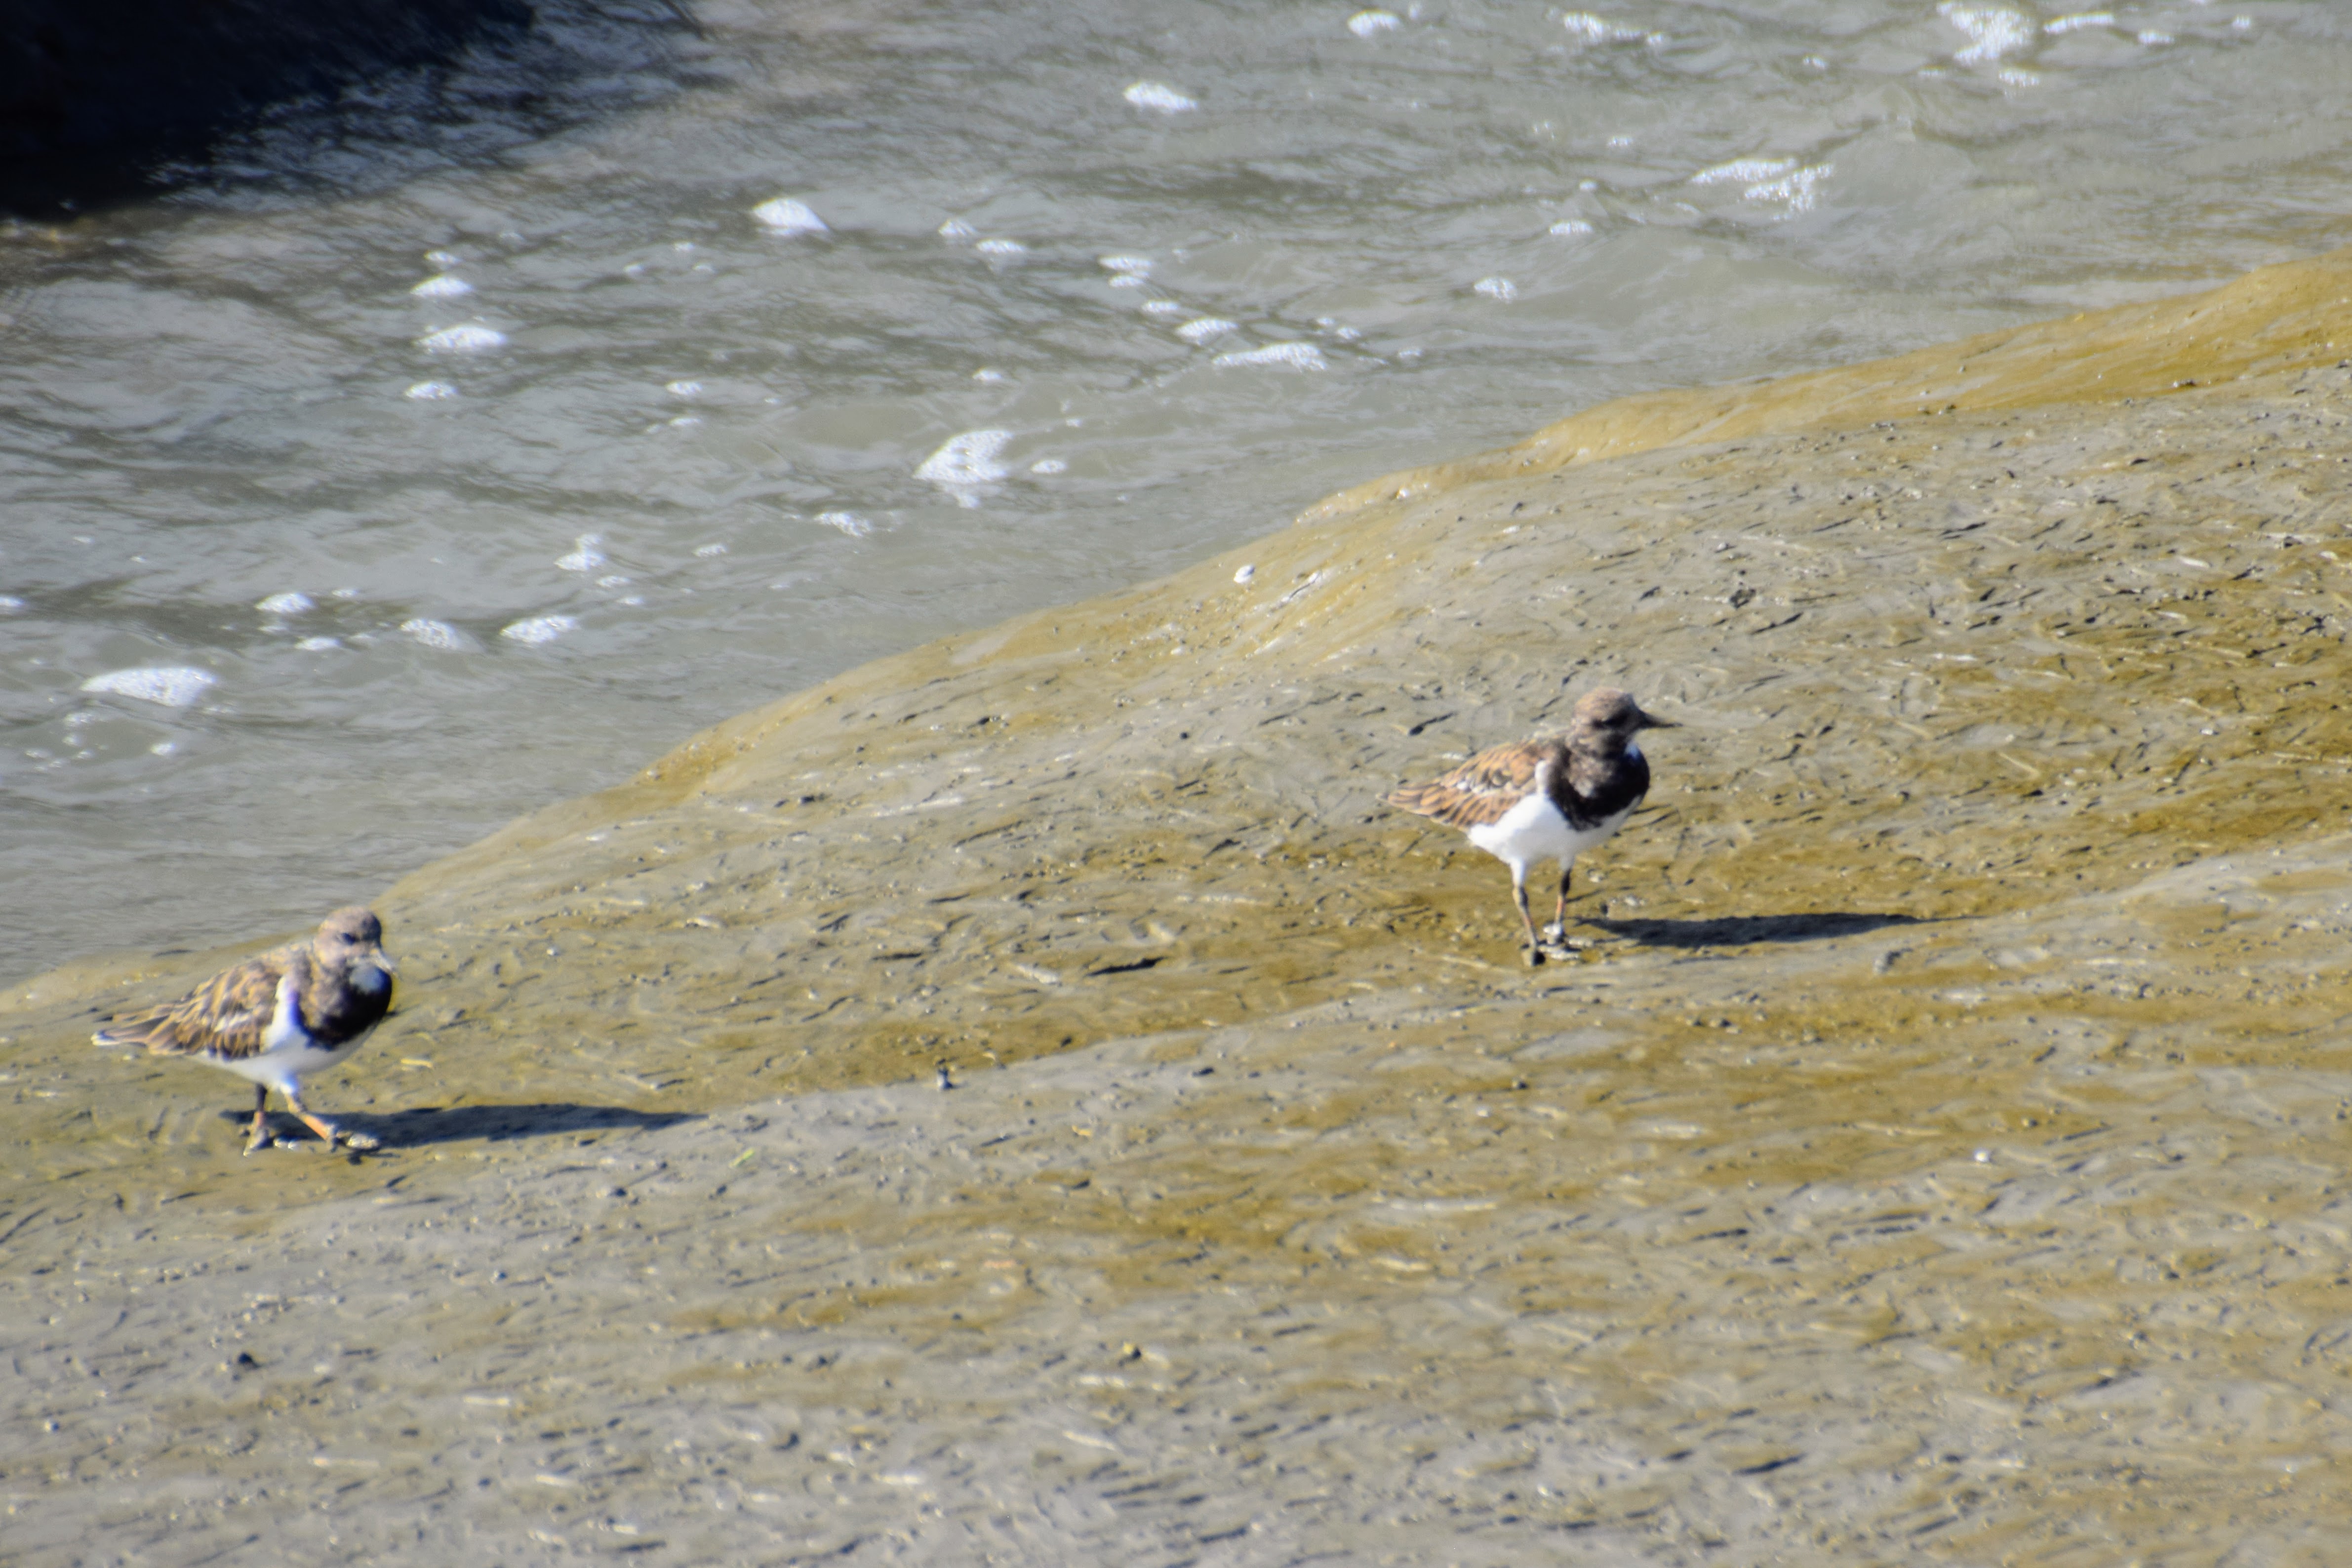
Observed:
{"x":422,"y":561}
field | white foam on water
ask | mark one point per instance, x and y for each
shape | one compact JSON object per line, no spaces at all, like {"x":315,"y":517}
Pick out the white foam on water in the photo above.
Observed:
{"x":10,"y":605}
{"x":344,"y":593}
{"x":1158,"y":96}
{"x":1001,"y":249}
{"x":2153,"y":38}
{"x":172,"y":685}
{"x":1744,"y":171}
{"x":538,"y":629}
{"x":164,"y":748}
{"x":2014,"y":76}
{"x":1282,"y":356}
{"x":1501,"y":289}
{"x":956,"y":228}
{"x":785,"y":216}
{"x":1049,"y":466}
{"x":585,"y":556}
{"x":470,"y":338}
{"x":965,"y":461}
{"x":709,"y":550}
{"x":429,"y":392}
{"x":1365,"y":24}
{"x":1586,"y":27}
{"x":2058,"y":25}
{"x":848,"y":522}
{"x":613,"y":581}
{"x":1207,"y":327}
{"x":1124,"y":282}
{"x":1129,"y":265}
{"x":441,"y":286}
{"x":988,"y":374}
{"x":1797,"y":189}
{"x":683,"y":389}
{"x":1244,"y":573}
{"x":442,"y":258}
{"x":286,"y":603}
{"x":1994,"y":30}
{"x":687,"y":421}
{"x":434,"y":634}
{"x":1165,"y":307}
{"x":1568,"y":228}
{"x":319,"y":644}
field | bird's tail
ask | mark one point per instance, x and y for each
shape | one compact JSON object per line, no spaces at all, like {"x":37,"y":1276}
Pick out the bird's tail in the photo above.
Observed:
{"x":1414,"y":799}
{"x":136,"y":1030}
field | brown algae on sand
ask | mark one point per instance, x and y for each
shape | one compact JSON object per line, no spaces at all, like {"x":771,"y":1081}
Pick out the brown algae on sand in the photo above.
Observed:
{"x":1941,"y":1154}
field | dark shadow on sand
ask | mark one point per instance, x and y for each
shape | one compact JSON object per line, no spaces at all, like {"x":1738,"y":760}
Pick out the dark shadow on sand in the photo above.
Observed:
{"x":429,"y":1124}
{"x":1742,"y":930}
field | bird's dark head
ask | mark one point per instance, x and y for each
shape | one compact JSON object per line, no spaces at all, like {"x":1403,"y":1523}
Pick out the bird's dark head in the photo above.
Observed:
{"x":1609,"y":715}
{"x":353,"y":938}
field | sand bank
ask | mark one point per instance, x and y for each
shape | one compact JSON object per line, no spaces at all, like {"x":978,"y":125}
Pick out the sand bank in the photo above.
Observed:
{"x":1939,"y":1155}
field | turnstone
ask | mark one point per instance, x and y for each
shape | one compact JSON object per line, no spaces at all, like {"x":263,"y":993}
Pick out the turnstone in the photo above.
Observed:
{"x":279,"y":1018}
{"x":1548,"y":799}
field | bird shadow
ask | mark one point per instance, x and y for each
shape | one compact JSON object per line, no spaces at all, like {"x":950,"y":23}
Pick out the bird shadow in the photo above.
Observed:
{"x":421,"y":1126}
{"x":1741,"y":931}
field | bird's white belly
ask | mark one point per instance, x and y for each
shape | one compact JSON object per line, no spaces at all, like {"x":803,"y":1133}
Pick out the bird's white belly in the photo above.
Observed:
{"x":1534,"y":830}
{"x":275,"y":1068}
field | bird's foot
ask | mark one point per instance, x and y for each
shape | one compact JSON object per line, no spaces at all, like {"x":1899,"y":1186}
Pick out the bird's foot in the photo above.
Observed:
{"x":361,"y":1142}
{"x":1535,"y":956}
{"x":328,"y":1133}
{"x":1557,"y":941}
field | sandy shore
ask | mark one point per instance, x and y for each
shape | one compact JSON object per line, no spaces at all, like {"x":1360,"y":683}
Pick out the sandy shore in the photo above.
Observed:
{"x":1939,"y":1154}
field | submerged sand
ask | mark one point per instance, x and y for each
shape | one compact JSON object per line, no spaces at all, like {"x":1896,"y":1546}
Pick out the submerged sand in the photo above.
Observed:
{"x":1939,"y":1154}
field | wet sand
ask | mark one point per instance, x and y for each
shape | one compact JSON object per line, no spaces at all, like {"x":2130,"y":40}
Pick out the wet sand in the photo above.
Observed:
{"x":1938,"y":1153}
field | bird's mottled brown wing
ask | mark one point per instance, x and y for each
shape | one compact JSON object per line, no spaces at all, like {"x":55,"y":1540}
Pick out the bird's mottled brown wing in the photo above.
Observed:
{"x":1480,"y":791}
{"x":225,"y":1016}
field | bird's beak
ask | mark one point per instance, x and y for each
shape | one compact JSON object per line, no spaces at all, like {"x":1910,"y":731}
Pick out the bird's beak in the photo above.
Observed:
{"x":383,"y":961}
{"x":1651,"y":721}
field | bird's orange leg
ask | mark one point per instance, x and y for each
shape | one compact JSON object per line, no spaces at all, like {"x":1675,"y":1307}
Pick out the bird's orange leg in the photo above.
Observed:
{"x":1560,"y":915}
{"x":1519,"y":896}
{"x":325,"y":1128}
